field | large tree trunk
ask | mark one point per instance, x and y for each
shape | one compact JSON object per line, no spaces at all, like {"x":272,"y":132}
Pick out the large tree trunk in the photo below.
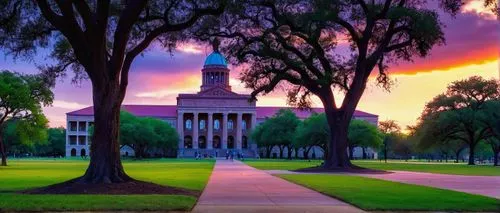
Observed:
{"x":2,"y":149}
{"x":338,"y":123}
{"x":105,"y":164}
{"x":364,"y":152}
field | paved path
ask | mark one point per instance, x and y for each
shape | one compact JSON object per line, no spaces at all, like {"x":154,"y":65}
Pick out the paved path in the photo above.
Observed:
{"x":482,"y":185}
{"x":236,"y":187}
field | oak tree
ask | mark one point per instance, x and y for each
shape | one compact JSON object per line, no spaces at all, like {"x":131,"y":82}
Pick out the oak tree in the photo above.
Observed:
{"x":98,"y":40}
{"x":459,"y":111}
{"x":21,"y":101}
{"x":293,"y":44}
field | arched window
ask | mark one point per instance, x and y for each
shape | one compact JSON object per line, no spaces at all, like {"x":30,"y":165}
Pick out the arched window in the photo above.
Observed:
{"x":83,"y":152}
{"x":189,"y":124}
{"x":202,"y":142}
{"x":230,"y":124}
{"x":216,"y":124}
{"x":216,"y":142}
{"x":73,"y":152}
{"x":202,"y":124}
{"x":243,"y":124}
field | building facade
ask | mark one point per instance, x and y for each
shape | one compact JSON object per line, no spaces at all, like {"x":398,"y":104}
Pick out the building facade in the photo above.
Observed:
{"x":211,"y":122}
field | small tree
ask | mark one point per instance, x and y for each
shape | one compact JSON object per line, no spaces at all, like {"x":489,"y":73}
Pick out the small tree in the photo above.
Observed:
{"x":313,"y":131}
{"x":56,"y":143}
{"x":389,"y":128}
{"x":403,"y":146}
{"x":21,"y":100}
{"x":167,"y":136}
{"x":363,"y":134}
{"x":257,"y":136}
{"x":280,"y":130}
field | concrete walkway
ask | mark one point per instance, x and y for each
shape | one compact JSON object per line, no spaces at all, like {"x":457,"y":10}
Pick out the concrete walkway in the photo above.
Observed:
{"x":481,"y":185}
{"x":236,"y":187}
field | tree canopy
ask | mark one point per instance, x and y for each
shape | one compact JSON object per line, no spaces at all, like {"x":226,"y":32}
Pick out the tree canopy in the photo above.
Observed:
{"x":277,"y":131}
{"x":293,"y":44}
{"x":98,"y":40}
{"x":363,"y":134}
{"x":313,"y":131}
{"x":146,"y":134}
{"x":459,"y":114}
{"x":21,"y":101}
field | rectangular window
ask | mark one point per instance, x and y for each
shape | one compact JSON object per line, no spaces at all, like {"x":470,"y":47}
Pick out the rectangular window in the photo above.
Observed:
{"x":81,"y":140}
{"x":72,"y":140}
{"x":72,"y":126}
{"x":81,"y":126}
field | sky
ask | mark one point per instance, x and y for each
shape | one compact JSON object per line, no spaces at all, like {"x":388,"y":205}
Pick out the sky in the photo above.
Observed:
{"x":472,"y":48}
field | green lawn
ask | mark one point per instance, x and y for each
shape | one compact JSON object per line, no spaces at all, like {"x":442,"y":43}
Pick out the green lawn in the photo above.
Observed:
{"x":24,"y":174}
{"x":279,"y":164}
{"x":442,"y":168}
{"x":373,"y":194}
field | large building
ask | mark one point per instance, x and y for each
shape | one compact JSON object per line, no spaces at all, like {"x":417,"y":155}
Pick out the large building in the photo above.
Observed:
{"x":215,"y":119}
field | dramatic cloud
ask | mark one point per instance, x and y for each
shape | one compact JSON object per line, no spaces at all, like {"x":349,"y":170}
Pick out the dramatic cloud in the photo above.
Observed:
{"x":158,"y":76}
{"x":477,"y":6}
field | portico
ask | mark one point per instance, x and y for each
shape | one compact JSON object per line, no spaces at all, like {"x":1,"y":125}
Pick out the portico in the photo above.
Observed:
{"x":216,"y":119}
{"x":210,"y":131}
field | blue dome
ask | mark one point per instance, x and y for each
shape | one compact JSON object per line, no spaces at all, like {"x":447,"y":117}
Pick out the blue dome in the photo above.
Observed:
{"x":215,"y":58}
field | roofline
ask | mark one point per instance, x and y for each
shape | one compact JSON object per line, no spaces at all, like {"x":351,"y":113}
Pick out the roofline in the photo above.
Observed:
{"x":283,"y":107}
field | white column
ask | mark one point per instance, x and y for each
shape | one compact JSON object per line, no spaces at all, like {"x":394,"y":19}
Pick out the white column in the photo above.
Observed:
{"x":87,"y":134}
{"x":238,"y":130}
{"x":224,"y":130}
{"x":253,"y":145}
{"x":180,"y":129}
{"x":195,"y":130}
{"x":210,"y":131}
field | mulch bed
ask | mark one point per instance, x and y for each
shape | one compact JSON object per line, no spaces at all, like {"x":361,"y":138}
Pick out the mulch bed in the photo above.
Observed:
{"x":133,"y":187}
{"x":354,"y":169}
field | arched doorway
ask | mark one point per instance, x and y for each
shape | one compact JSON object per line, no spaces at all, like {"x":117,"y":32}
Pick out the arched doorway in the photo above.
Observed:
{"x":188,"y":142}
{"x":244,"y":142}
{"x":216,"y":142}
{"x":202,"y":142}
{"x":73,"y":152}
{"x":83,"y":152}
{"x":230,"y":142}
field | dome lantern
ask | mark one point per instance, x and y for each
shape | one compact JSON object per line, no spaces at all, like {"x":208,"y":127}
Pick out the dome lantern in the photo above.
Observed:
{"x":215,"y":71}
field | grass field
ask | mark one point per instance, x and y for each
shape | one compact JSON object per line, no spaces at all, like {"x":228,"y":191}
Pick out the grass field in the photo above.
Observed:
{"x":372,"y":194}
{"x":24,"y":174}
{"x":441,"y":168}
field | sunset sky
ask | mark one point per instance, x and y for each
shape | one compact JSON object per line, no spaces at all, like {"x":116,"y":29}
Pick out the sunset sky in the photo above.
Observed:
{"x":472,"y":48}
